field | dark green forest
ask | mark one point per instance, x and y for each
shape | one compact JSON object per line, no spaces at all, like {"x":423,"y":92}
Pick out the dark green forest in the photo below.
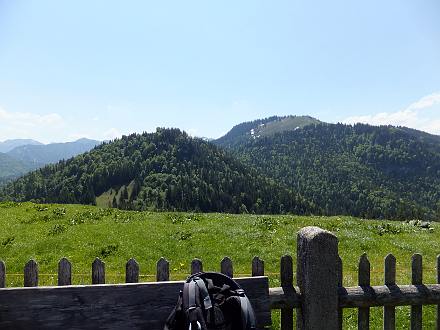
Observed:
{"x":294,"y":165}
{"x":366,"y":171}
{"x":166,"y":170}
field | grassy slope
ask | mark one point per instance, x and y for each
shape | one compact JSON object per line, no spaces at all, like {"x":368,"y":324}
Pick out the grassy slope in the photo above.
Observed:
{"x":49,"y":232}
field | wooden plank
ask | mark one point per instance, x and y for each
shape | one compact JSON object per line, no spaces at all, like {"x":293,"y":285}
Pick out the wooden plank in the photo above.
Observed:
{"x":438,"y":281}
{"x":364,"y":281}
{"x":31,"y":273}
{"x":257,"y":267}
{"x":196,"y":266}
{"x":226,"y":267}
{"x":163,"y":270}
{"x":389,"y":312}
{"x":417,"y":279}
{"x":64,"y":272}
{"x":2,"y":274}
{"x":286,"y":278}
{"x":280,"y":299}
{"x":389,"y":295}
{"x":131,"y":271}
{"x":98,"y":271}
{"x":108,"y":306}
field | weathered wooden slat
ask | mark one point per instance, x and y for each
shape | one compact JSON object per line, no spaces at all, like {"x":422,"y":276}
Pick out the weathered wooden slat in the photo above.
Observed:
{"x":226,"y":267}
{"x":389,"y":295}
{"x":364,"y":281}
{"x":2,"y":274}
{"x":286,"y":274}
{"x":389,"y":312}
{"x":163,"y":270}
{"x":31,"y":273}
{"x":438,"y":281}
{"x":196,"y":266}
{"x":417,"y":279}
{"x":285,"y":299}
{"x":98,"y":271}
{"x":340,"y":284}
{"x":131,"y":271}
{"x":108,"y":306}
{"x":64,"y":272}
{"x":257,"y":267}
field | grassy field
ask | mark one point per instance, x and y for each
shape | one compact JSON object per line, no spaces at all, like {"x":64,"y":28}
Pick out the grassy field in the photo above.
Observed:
{"x":81,"y":233}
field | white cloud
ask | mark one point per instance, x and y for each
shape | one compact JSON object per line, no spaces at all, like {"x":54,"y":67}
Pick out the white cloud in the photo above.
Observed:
{"x":112,"y":133}
{"x":423,"y":114}
{"x":29,"y":125}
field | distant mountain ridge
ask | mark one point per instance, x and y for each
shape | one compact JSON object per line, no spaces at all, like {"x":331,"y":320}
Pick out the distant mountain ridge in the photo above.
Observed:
{"x":26,"y":157}
{"x":8,"y":145}
{"x":252,"y":130}
{"x":40,"y":155}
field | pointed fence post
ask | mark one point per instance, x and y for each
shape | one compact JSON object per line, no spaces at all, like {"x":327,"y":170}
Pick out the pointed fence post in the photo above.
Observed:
{"x":257,"y":267}
{"x":286,"y":279}
{"x":2,"y":274}
{"x":364,"y":281}
{"x":163,"y":270}
{"x":31,"y":273}
{"x":389,"y":312}
{"x":131,"y":271}
{"x":98,"y":272}
{"x":64,"y":272}
{"x":417,"y":279}
{"x":226,"y":267}
{"x":196,"y":266}
{"x":318,"y":278}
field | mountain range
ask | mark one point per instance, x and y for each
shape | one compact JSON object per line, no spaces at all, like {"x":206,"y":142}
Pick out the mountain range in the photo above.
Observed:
{"x":20,"y":156}
{"x":292,"y":164}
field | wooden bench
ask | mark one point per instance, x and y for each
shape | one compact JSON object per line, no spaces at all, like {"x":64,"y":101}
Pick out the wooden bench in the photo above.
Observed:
{"x":109,"y":306}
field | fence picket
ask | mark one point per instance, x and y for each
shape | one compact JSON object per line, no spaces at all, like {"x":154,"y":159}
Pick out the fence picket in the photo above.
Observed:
{"x":226,"y":267}
{"x":163,"y":270}
{"x":98,"y":271}
{"x":417,"y":278}
{"x":196,"y":266}
{"x":131,"y":271}
{"x":64,"y":272}
{"x":340,"y":284}
{"x":286,"y":274}
{"x":364,"y":280}
{"x":257,"y":267}
{"x":31,"y":273}
{"x":2,"y":274}
{"x":438,"y":281}
{"x":389,"y":312}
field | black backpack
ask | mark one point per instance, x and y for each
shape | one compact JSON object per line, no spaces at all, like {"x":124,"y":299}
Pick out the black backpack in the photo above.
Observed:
{"x":211,"y":301}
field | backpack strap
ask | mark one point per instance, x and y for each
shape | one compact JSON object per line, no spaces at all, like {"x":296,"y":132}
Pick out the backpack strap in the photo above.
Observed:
{"x":247,"y":312}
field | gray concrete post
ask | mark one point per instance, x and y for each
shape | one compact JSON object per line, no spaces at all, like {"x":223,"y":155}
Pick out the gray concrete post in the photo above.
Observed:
{"x":317,"y":278}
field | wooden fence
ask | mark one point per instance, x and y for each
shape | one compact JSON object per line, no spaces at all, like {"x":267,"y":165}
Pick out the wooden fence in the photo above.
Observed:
{"x":318,"y":298}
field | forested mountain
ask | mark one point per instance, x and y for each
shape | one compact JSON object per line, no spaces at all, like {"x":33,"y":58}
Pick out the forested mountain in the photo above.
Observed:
{"x":166,"y":170}
{"x":39,"y":155}
{"x":252,"y":130}
{"x":8,"y":145}
{"x":361,"y":170}
{"x":11,"y":168}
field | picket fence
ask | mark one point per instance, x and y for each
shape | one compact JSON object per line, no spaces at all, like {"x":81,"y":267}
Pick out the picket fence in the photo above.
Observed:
{"x":318,"y":298}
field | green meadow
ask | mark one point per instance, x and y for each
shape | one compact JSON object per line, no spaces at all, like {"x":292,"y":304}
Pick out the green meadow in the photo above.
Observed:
{"x":49,"y":232}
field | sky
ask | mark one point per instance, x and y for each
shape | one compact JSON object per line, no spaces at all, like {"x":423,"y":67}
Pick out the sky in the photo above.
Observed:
{"x":100,"y":69}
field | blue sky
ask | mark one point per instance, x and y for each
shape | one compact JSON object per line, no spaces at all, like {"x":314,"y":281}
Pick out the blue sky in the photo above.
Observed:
{"x":100,"y":69}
